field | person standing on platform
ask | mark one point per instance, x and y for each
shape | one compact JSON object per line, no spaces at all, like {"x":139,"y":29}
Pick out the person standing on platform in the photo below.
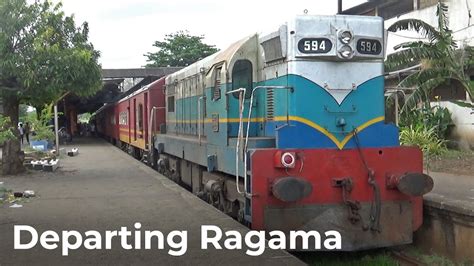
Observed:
{"x":92,"y":129}
{"x":22,"y":132}
{"x":26,"y":131}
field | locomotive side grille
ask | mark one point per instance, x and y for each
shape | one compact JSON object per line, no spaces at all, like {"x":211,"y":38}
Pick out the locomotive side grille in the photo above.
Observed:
{"x":270,"y":105}
{"x":217,"y":90}
{"x":216,"y":93}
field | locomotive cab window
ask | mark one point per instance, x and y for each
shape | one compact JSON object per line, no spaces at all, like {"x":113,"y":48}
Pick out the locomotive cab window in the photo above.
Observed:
{"x":242,"y":77}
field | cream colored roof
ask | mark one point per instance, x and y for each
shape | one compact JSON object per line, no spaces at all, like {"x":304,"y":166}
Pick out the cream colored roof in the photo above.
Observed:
{"x":224,"y":55}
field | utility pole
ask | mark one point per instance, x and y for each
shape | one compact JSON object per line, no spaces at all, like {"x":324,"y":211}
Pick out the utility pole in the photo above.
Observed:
{"x":56,"y":121}
{"x":56,"y":127}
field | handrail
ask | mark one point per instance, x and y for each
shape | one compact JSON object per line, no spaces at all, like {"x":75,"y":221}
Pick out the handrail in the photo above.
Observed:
{"x":150,"y":124}
{"x":248,"y":127}
{"x":241,"y":91}
{"x":199,"y":118}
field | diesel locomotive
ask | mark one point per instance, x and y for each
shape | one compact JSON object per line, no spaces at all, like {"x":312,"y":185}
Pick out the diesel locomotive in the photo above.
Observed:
{"x":285,"y":131}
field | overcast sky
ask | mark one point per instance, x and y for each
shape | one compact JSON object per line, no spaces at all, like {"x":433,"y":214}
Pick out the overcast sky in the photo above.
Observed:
{"x":124,"y":30}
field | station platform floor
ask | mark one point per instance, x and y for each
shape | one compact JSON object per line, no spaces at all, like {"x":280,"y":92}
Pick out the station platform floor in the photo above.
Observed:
{"x":102,"y":189}
{"x":453,"y":193}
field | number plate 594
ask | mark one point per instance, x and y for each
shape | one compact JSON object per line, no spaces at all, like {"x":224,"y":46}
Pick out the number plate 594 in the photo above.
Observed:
{"x":369,"y":46}
{"x":314,"y":45}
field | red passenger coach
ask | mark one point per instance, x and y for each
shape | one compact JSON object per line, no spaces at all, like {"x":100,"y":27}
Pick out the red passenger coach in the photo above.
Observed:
{"x":107,"y":120}
{"x":140,"y":115}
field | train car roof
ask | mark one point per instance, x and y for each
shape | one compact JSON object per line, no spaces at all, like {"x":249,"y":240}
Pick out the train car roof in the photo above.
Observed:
{"x":207,"y":63}
{"x":143,"y":89}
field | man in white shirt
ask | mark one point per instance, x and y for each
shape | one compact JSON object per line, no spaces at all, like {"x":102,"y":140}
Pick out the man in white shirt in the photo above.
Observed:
{"x":22,"y":132}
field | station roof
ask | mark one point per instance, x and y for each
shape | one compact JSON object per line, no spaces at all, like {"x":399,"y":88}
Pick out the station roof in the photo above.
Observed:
{"x":112,"y":80}
{"x":138,"y":72}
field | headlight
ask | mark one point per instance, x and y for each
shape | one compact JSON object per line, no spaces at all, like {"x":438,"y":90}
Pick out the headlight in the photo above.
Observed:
{"x":288,"y":160}
{"x":345,"y":36}
{"x":346,"y":52}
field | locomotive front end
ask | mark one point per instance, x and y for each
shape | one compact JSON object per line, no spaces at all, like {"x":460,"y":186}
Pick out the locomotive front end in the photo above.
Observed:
{"x":351,"y":191}
{"x":337,"y":164}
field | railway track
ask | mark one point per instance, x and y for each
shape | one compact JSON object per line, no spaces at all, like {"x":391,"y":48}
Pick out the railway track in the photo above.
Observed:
{"x":405,"y":260}
{"x":401,"y":257}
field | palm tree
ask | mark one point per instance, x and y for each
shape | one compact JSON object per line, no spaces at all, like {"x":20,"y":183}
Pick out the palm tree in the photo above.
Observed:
{"x":438,"y":58}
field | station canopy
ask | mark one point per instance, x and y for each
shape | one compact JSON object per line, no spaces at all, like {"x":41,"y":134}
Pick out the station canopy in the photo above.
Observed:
{"x":117,"y":83}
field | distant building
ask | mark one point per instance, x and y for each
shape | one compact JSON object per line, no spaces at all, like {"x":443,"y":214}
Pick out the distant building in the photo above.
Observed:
{"x":460,"y":17}
{"x":461,"y":22}
{"x":389,"y":8}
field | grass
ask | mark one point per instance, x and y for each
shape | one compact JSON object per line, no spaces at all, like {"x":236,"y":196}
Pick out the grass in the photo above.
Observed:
{"x":380,"y":257}
{"x":6,"y":195}
{"x":432,"y":259}
{"x":437,"y":260}
{"x":455,"y":154}
{"x":452,"y":161}
{"x":364,"y":258}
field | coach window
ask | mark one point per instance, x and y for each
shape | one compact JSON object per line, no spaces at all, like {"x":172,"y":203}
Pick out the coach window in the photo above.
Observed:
{"x":242,"y":77}
{"x":216,"y":90}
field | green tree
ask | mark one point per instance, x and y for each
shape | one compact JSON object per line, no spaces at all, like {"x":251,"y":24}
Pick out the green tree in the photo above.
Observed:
{"x":179,"y":49}
{"x":23,"y":111}
{"x":439,"y":58}
{"x":6,"y":132}
{"x":43,"y":54}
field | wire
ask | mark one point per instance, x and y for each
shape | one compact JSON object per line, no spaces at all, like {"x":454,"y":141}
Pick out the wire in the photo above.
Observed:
{"x":467,"y":27}
{"x":407,"y":37}
{"x":464,"y":39}
{"x":375,"y":207}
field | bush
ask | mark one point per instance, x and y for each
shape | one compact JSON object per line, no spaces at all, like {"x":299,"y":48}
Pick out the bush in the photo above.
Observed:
{"x":42,"y":127}
{"x":424,"y":138}
{"x":436,"y":118}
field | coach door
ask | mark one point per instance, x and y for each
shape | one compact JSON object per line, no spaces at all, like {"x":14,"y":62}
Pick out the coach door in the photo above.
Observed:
{"x":145,"y":120}
{"x":129,"y":127}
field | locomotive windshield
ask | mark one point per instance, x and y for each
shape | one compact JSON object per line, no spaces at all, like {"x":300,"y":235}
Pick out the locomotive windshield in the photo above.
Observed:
{"x":242,"y":77}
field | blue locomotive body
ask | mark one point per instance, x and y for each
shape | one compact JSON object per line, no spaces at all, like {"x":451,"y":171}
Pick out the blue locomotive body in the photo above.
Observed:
{"x":312,"y":89}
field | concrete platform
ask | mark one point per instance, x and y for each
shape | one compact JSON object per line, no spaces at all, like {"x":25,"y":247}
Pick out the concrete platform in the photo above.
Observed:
{"x":104,"y":189}
{"x":448,"y":227}
{"x":452,"y":192}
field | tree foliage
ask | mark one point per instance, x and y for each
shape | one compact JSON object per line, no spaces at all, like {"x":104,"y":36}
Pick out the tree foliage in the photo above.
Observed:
{"x":43,"y":54}
{"x":439,"y":58}
{"x":179,"y":49}
{"x":6,"y":132}
{"x":42,"y":126}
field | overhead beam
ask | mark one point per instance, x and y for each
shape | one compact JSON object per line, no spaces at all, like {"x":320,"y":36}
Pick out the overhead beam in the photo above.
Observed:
{"x":138,"y":72}
{"x":370,"y":5}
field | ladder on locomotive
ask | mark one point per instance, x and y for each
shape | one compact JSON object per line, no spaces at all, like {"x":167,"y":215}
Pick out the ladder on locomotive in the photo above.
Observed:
{"x":243,"y":150}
